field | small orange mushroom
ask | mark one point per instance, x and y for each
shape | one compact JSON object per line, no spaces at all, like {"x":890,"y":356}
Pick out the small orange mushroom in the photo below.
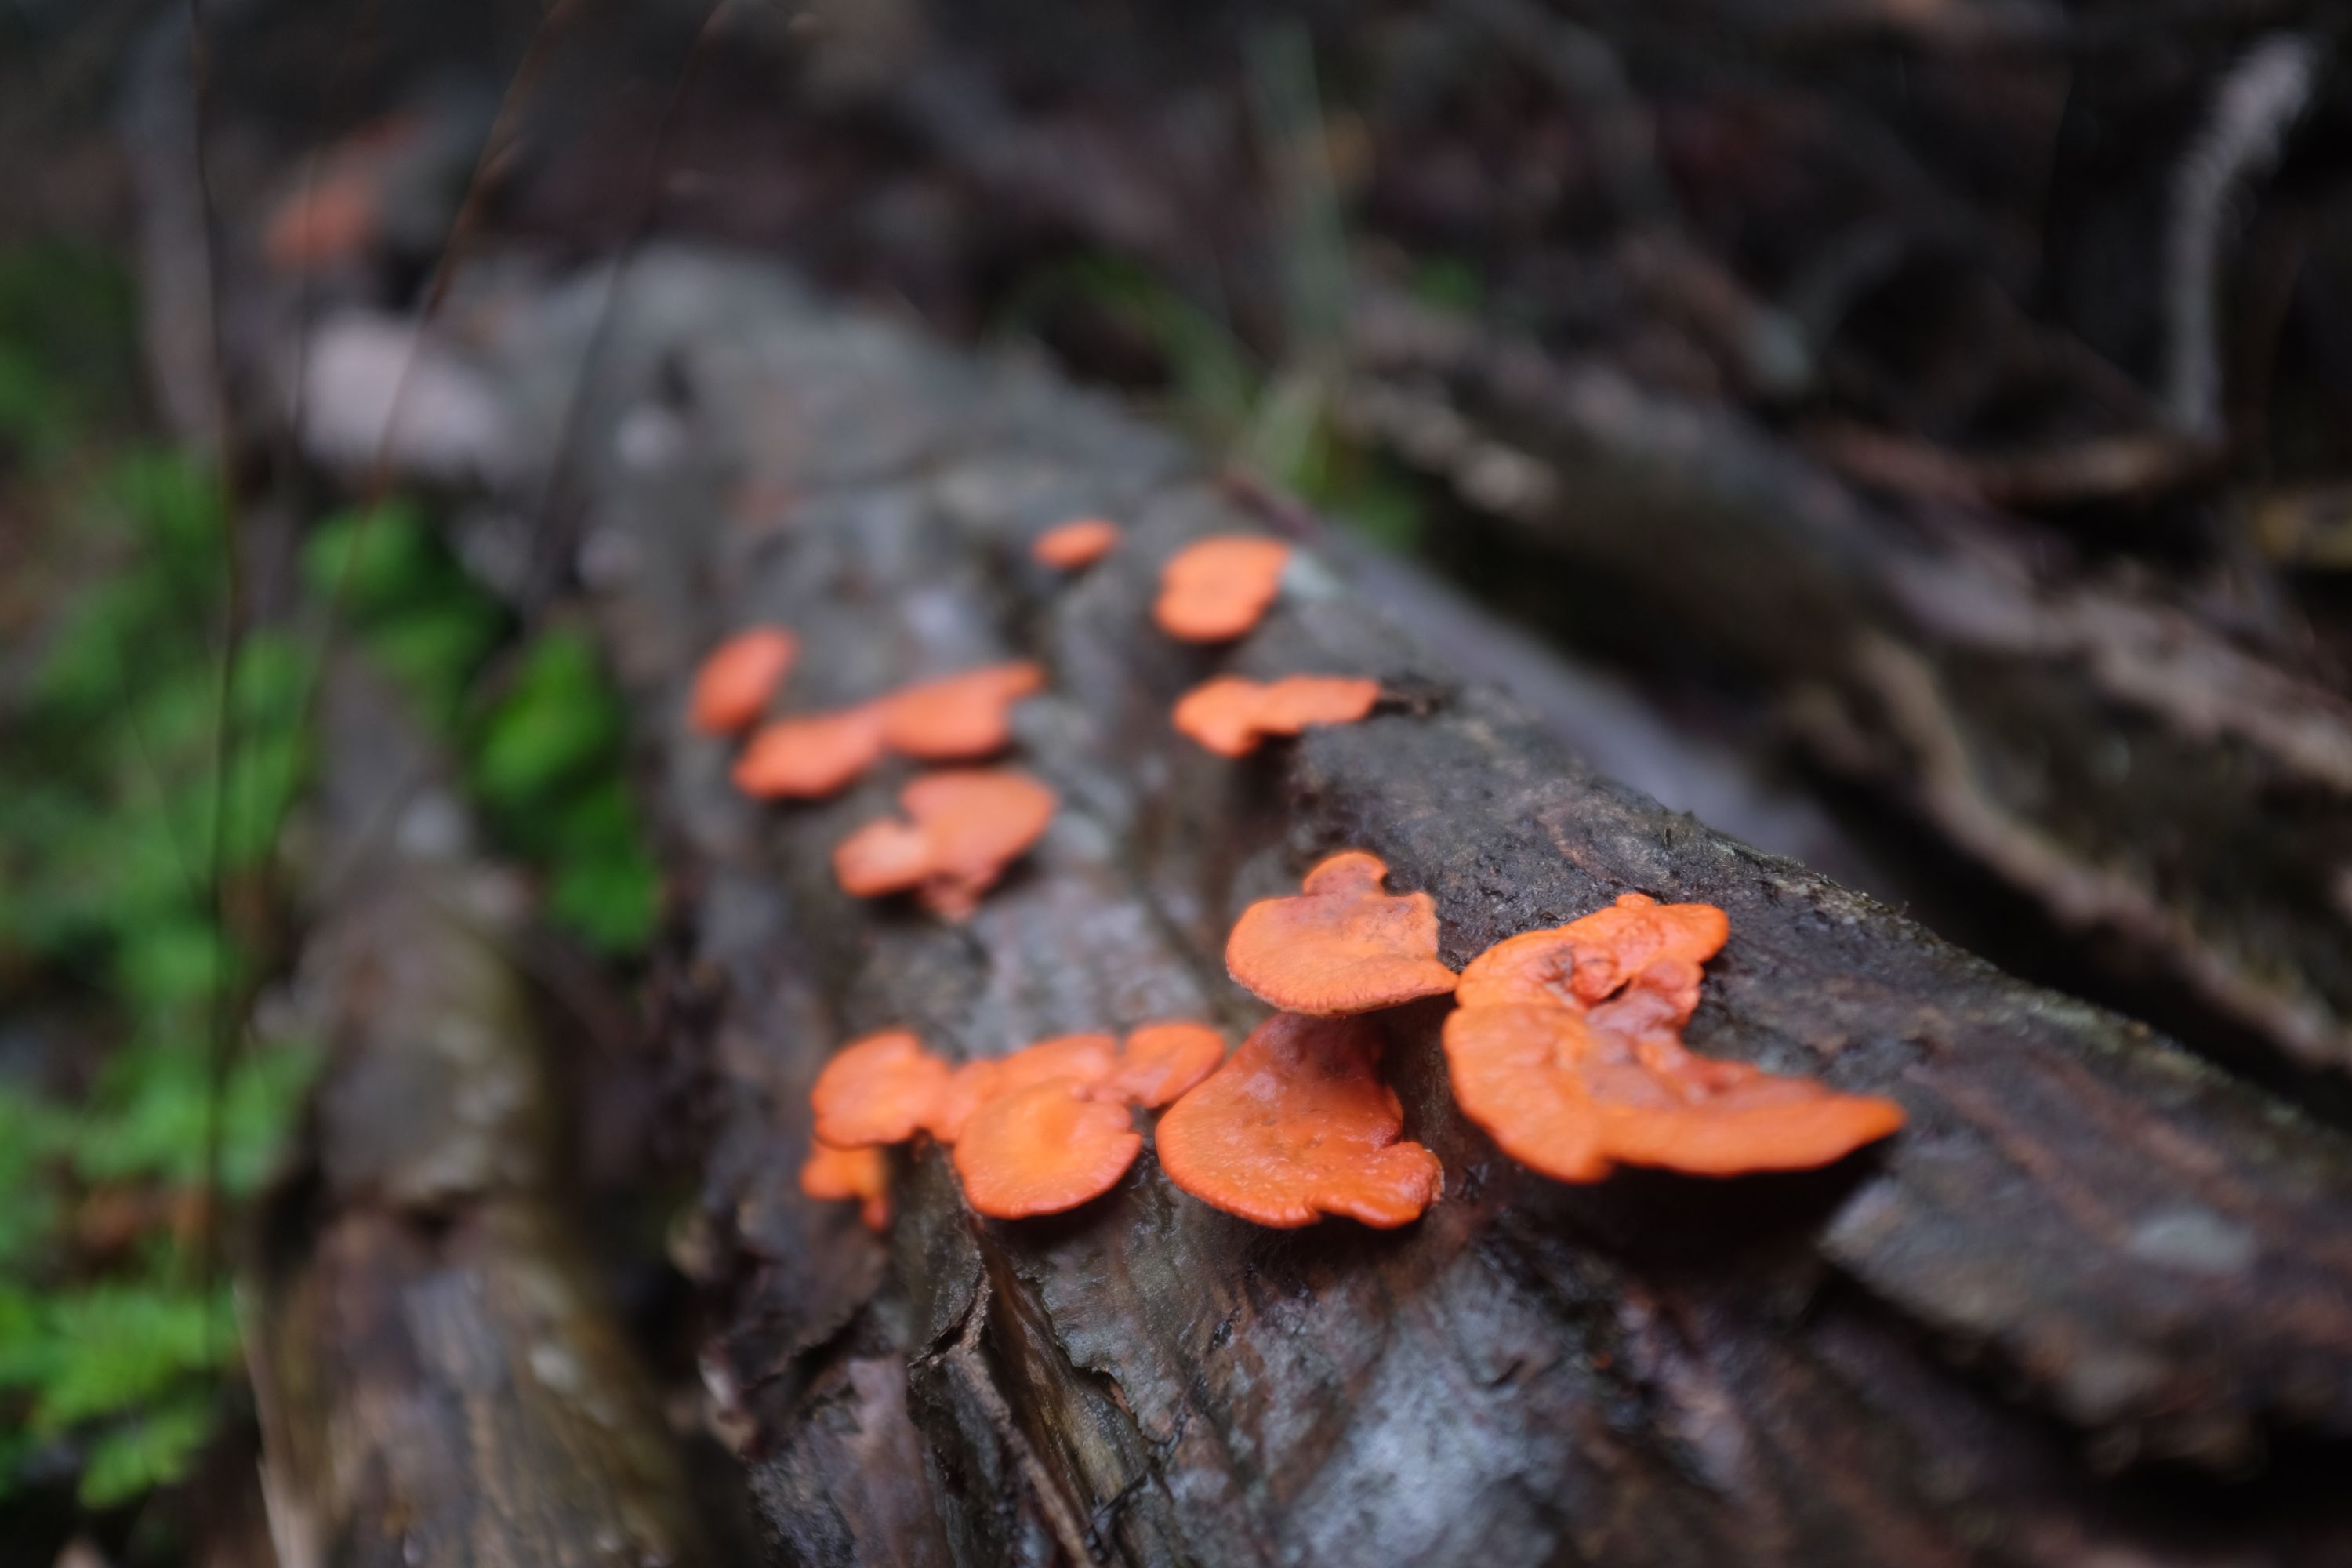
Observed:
{"x":1298,"y":1125}
{"x":1161,"y":1061}
{"x":739,"y":677}
{"x":1342,"y":945}
{"x":879,"y":1090}
{"x":1044,"y":1149}
{"x":1090,"y":1059}
{"x":809,"y":758}
{"x":1217,"y":588}
{"x":1081,"y":542}
{"x":1638,"y":941}
{"x":831,"y":1174}
{"x":970,"y":825}
{"x":1231,"y":714}
{"x":959,"y":717}
{"x":1569,"y":1100}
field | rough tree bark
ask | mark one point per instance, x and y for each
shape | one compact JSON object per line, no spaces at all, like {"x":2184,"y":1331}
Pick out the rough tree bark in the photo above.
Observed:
{"x":2091,"y":1300}
{"x":2087,"y":737}
{"x":438,"y":1379}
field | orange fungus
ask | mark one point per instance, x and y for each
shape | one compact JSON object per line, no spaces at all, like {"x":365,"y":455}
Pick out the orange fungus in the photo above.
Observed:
{"x":1342,"y":945}
{"x":834,"y":1173}
{"x":1043,"y":1149}
{"x":969,"y":825}
{"x":1567,"y":1049}
{"x":739,"y":677}
{"x":1160,"y":1061}
{"x":1231,"y":714}
{"x":1081,"y":542}
{"x":1568,"y":1098}
{"x":809,"y":758}
{"x":958,"y":717}
{"x":1298,"y":1125}
{"x":1218,"y":588}
{"x":879,"y":1090}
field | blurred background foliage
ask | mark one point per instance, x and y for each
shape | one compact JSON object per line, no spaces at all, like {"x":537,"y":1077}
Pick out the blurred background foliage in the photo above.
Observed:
{"x":148,"y":784}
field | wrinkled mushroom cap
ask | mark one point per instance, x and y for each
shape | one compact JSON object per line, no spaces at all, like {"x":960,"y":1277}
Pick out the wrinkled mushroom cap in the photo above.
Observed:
{"x":831,"y":1174}
{"x":958,"y":717}
{"x":1579,"y":964}
{"x":1081,"y":542}
{"x":1569,"y":1100}
{"x":880,"y":1089}
{"x":1229,"y":715}
{"x":1218,"y":588}
{"x":1342,"y":945}
{"x":1161,"y":1061}
{"x":1298,"y":1125}
{"x":739,"y":675}
{"x":809,"y":758}
{"x":1044,"y":1149}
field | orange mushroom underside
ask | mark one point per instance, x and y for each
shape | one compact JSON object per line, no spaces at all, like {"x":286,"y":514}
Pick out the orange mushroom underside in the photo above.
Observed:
{"x":1231,"y":714}
{"x":1081,"y":542}
{"x":1218,"y":588}
{"x":1296,"y":1126}
{"x":733,"y":685}
{"x":1342,"y":945}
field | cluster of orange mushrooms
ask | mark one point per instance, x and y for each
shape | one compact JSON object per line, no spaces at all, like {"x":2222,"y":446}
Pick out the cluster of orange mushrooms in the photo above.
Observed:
{"x":1565,"y":1044}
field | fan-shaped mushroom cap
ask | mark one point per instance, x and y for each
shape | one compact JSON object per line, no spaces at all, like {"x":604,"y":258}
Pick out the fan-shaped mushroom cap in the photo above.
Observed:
{"x":1569,"y":1100}
{"x":879,"y":1090}
{"x":958,"y":717}
{"x":1581,"y":962}
{"x":1231,"y":714}
{"x":1044,"y":1149}
{"x":882,"y":857}
{"x":1160,"y":1061}
{"x":970,"y":824}
{"x":834,"y":1173}
{"x":1081,"y":542}
{"x":738,"y":678}
{"x":1217,"y":588}
{"x":1088,"y":1060}
{"x":1342,"y":945}
{"x":809,"y":758}
{"x":1298,"y":1125}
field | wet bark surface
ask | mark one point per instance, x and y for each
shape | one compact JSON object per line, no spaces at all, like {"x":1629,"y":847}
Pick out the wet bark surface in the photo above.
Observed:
{"x":2091,"y":1298}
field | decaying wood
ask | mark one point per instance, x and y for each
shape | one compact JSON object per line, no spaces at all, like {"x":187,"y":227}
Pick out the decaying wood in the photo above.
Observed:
{"x":2091,"y":1301}
{"x":438,"y":1379}
{"x":2094,"y":741}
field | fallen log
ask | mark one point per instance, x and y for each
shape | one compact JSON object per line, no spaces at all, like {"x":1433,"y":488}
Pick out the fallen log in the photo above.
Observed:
{"x":2091,"y":1300}
{"x":437,"y":1377}
{"x":2151,"y":783}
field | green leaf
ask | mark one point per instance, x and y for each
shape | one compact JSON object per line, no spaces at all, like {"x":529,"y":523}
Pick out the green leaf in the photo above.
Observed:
{"x":378,"y":562}
{"x":610,"y":899}
{"x":115,"y":1347}
{"x":153,"y":1450}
